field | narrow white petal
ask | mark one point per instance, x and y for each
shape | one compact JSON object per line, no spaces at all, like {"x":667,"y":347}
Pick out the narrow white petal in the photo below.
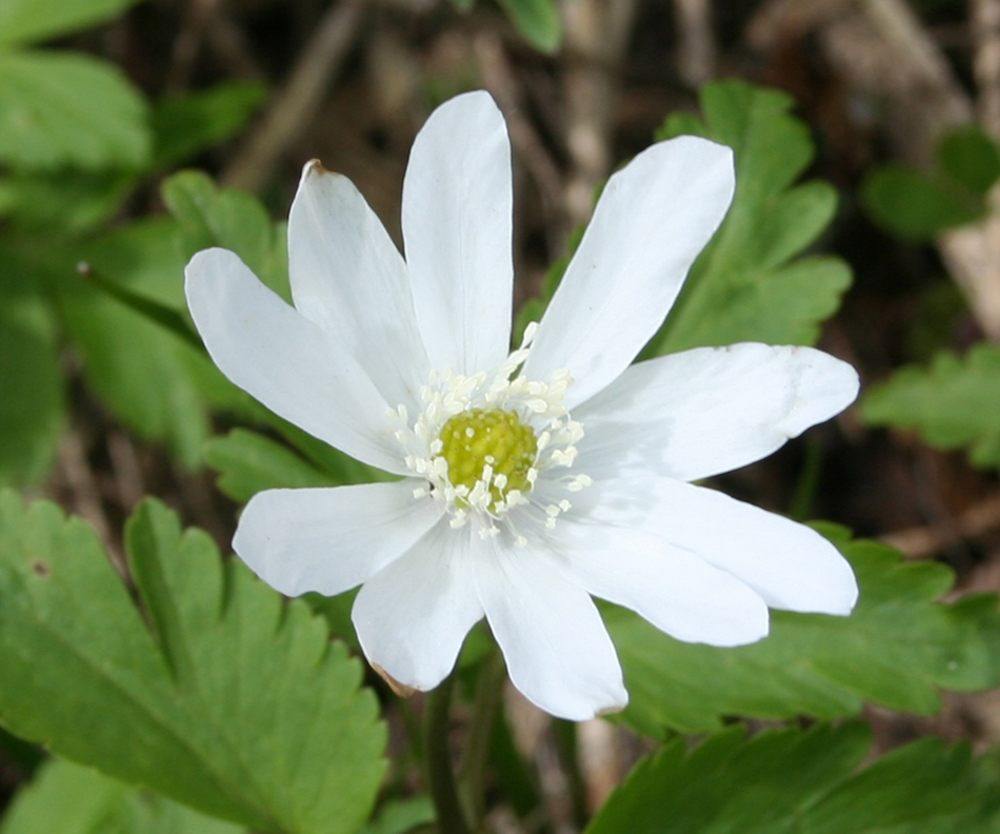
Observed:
{"x":653,"y":218}
{"x":457,"y":221}
{"x":330,"y":540}
{"x":557,"y":650}
{"x":677,"y":591}
{"x":412,"y":616}
{"x":278,"y":356}
{"x":348,"y":277}
{"x":695,"y":414}
{"x":791,"y":566}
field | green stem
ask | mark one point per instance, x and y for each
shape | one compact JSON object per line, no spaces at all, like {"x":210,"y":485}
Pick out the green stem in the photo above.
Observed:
{"x":164,"y":316}
{"x":475,"y":756}
{"x":809,"y":476}
{"x":441,"y":779}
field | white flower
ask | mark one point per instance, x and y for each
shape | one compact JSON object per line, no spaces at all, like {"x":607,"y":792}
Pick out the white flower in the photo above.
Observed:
{"x":532,"y":479}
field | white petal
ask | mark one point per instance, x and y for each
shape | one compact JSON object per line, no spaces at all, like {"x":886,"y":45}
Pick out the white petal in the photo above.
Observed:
{"x":695,"y":414}
{"x":677,"y":591}
{"x":412,"y":616}
{"x":652,"y":220}
{"x":557,"y":650}
{"x":457,"y":221}
{"x":348,"y":277}
{"x":281,"y":358}
{"x":330,"y":540}
{"x":791,"y":566}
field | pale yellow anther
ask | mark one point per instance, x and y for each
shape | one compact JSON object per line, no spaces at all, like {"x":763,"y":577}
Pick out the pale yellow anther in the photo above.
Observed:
{"x":475,"y":444}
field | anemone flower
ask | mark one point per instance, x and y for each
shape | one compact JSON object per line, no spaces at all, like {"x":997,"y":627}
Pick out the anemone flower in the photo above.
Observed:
{"x":530,"y":479}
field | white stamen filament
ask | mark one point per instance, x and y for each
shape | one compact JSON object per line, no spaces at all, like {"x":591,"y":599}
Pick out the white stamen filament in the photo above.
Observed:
{"x":491,"y":499}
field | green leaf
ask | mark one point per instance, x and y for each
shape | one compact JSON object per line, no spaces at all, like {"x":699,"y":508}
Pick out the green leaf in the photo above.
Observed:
{"x":237,"y":221}
{"x":25,"y":757}
{"x":915,"y":206}
{"x":537,"y":21}
{"x":230,"y":701}
{"x":533,"y":309}
{"x":953,"y":404}
{"x":969,"y":156}
{"x":336,"y":610}
{"x":153,"y":381}
{"x":188,"y":123}
{"x":400,"y":816}
{"x":66,"y":109}
{"x":897,"y":650}
{"x":231,"y":219}
{"x":32,"y":413}
{"x":71,"y":202}
{"x":248,"y":462}
{"x":334,"y":464}
{"x":745,"y":285}
{"x":34,"y":20}
{"x":65,"y":798}
{"x":792,"y":781}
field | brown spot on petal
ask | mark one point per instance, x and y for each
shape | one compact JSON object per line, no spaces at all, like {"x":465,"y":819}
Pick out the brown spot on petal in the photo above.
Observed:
{"x":401,"y":689}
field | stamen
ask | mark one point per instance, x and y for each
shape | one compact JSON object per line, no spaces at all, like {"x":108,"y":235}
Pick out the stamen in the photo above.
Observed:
{"x":483,"y":443}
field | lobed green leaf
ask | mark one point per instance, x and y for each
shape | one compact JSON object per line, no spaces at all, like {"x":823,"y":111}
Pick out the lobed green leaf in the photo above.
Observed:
{"x":953,"y":404}
{"x":970,"y":157}
{"x":229,"y":701}
{"x":745,"y":285}
{"x":66,"y":798}
{"x":897,"y":649}
{"x":400,"y":816}
{"x":209,"y":216}
{"x":156,"y":383}
{"x":248,"y":463}
{"x":32,"y":412}
{"x":23,"y":21}
{"x":67,"y":109}
{"x":185,"y":124}
{"x":537,"y":21}
{"x":792,"y":781}
{"x":916,"y":206}
{"x":65,"y":202}
{"x":919,"y":205}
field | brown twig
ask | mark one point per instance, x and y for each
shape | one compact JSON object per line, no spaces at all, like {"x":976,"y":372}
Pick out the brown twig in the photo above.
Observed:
{"x":126,"y":469}
{"x":972,"y":254}
{"x":695,"y":41}
{"x":230,"y":46}
{"x":779,"y":20}
{"x":985,"y":19}
{"x":596,"y":36}
{"x":979,"y":520}
{"x":85,"y":493}
{"x":199,"y":17}
{"x":880,"y":49}
{"x":498,"y":77}
{"x":600,"y":763}
{"x":295,"y":104}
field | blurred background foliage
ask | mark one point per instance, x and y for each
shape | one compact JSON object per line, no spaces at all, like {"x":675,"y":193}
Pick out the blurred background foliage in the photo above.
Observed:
{"x":866,"y":220}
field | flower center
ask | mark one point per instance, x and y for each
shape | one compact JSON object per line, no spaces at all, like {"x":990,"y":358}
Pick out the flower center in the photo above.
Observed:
{"x":481,"y":442}
{"x":492,"y":447}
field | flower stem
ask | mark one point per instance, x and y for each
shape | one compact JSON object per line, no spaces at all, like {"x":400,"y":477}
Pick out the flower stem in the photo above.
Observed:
{"x":440,"y":777}
{"x":473,"y":764}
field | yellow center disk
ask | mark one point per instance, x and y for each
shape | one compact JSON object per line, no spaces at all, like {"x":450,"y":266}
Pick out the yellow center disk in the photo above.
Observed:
{"x":480,"y":437}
